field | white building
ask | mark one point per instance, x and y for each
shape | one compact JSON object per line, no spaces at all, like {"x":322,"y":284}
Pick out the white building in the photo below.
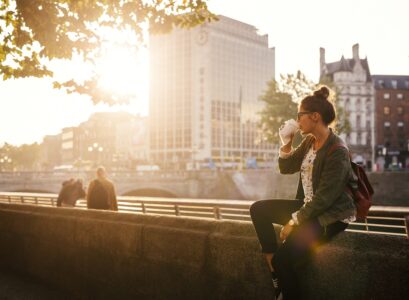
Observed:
{"x":205,"y":85}
{"x":357,"y":96}
{"x":132,"y":140}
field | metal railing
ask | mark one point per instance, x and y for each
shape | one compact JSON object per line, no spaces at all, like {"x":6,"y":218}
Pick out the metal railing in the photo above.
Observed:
{"x":388,"y":220}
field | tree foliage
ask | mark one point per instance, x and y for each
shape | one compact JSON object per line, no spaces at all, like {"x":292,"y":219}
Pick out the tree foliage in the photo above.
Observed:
{"x":279,"y":106}
{"x":34,"y":32}
{"x":281,"y":100}
{"x":22,"y":157}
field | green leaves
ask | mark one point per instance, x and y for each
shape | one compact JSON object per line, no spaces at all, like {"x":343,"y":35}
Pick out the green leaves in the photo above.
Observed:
{"x":281,"y":100}
{"x":62,"y":28}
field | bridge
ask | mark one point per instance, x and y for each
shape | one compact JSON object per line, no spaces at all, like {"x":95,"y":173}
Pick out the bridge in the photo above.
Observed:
{"x":252,"y":184}
{"x":391,"y":188}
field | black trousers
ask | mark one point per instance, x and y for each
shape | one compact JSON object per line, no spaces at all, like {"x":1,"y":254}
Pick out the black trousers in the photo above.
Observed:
{"x":290,"y":257}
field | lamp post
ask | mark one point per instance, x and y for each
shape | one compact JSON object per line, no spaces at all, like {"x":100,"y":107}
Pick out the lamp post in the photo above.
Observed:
{"x":4,"y":161}
{"x":96,"y":149}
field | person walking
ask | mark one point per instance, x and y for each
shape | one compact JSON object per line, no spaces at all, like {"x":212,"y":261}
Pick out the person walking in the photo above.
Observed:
{"x":323,"y":207}
{"x":71,"y":191}
{"x":101,"y":192}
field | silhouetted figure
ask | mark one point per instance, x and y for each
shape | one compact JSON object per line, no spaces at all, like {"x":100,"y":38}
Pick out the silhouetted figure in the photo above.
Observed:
{"x":101,"y":192}
{"x":70,"y":192}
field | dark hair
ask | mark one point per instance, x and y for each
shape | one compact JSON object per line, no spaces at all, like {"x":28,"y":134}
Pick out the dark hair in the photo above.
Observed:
{"x":318,"y":102}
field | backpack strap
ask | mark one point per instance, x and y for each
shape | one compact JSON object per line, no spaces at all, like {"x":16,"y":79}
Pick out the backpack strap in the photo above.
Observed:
{"x":335,"y":147}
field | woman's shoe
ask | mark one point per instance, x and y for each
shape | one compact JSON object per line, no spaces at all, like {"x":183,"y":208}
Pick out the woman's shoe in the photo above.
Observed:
{"x":276,"y":284}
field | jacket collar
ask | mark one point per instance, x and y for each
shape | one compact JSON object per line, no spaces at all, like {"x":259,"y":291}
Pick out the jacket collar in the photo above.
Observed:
{"x":329,"y":142}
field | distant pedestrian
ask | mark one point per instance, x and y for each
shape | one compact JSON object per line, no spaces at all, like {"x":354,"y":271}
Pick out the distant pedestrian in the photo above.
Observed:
{"x":101,"y":192}
{"x":70,"y":192}
{"x":323,"y":207}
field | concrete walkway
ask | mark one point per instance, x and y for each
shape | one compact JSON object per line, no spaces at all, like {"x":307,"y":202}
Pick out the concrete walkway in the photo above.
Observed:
{"x":15,"y":287}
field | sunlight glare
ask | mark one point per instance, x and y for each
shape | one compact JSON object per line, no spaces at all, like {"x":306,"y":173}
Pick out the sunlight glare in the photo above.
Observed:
{"x":123,"y":68}
{"x":119,"y":70}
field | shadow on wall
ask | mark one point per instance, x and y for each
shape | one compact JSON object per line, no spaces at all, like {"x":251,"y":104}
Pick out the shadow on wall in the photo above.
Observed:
{"x":150,"y":193}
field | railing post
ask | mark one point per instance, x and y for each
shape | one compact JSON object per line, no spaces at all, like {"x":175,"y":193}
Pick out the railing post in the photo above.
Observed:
{"x":217,"y":214}
{"x":143,"y":207}
{"x":9,"y":199}
{"x":366,"y":224}
{"x":177,"y":211}
{"x":35,"y":200}
{"x":407,"y":225}
{"x":22,"y":199}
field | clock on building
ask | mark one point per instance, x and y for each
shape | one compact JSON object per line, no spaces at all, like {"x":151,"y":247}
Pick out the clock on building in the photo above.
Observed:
{"x":202,"y":37}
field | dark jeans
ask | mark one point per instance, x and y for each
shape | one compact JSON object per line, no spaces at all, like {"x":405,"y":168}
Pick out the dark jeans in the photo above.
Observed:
{"x":291,"y":256}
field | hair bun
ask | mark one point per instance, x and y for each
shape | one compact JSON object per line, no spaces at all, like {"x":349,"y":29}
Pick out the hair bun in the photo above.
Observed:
{"x":322,"y":92}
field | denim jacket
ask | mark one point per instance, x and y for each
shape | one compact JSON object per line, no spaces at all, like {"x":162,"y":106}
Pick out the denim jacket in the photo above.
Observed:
{"x":330,"y":176}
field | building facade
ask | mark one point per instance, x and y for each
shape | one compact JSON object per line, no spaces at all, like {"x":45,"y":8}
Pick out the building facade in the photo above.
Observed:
{"x":50,"y":155}
{"x":132,"y":142}
{"x":107,"y":138}
{"x":204,"y":89}
{"x":70,"y":145}
{"x":392,"y":121}
{"x":356,"y":96}
{"x":117,"y":140}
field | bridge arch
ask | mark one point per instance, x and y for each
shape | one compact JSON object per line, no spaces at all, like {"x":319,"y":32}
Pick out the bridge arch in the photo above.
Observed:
{"x":150,"y":192}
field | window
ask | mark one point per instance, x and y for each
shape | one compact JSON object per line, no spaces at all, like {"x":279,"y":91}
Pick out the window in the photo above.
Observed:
{"x":358,"y":104}
{"x":387,"y":124}
{"x":381,"y":84}
{"x":386,"y":110}
{"x":400,"y":110}
{"x":399,"y":96}
{"x":400,"y":124}
{"x":394,"y":84}
{"x":386,"y":96}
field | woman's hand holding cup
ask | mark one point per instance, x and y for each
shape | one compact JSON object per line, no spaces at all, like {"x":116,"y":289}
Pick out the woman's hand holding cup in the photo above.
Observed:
{"x":287,"y":132}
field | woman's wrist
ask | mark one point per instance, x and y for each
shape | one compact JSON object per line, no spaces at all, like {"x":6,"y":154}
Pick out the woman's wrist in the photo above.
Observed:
{"x":286,"y":148}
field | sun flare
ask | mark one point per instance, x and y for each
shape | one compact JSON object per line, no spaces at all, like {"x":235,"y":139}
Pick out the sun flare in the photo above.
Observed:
{"x":123,"y":70}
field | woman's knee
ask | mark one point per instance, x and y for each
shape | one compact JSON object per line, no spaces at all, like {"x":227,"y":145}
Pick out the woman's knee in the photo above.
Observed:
{"x":257,"y":207}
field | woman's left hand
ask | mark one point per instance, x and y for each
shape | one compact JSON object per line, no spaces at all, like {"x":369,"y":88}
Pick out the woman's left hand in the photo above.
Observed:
{"x":285,"y":232}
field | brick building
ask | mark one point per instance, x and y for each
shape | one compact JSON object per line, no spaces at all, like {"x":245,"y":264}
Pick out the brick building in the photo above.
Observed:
{"x":392,"y":121}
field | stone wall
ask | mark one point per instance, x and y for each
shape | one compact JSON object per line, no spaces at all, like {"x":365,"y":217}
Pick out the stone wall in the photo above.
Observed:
{"x":391,"y":188}
{"x":109,"y":255}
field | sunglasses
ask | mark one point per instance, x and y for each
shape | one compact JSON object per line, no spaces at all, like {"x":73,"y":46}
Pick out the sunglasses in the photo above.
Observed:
{"x":301,"y":113}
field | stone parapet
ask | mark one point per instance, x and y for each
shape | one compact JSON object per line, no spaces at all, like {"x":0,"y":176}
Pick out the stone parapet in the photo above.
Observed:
{"x":110,"y":255}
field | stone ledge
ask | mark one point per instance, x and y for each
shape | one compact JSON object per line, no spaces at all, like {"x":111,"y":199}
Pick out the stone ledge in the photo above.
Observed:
{"x":106,"y":255}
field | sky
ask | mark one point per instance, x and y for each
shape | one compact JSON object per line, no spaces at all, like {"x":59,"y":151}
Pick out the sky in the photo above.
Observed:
{"x":31,"y":108}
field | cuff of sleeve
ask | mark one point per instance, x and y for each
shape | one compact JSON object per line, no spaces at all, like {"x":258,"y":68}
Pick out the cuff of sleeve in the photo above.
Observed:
{"x":295,"y":218}
{"x":284,"y":154}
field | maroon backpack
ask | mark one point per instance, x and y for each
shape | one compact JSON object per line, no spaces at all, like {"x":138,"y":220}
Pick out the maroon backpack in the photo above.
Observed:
{"x":362,"y":193}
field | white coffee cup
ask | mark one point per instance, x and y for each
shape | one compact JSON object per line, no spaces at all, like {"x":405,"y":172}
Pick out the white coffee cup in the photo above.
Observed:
{"x":285,"y":131}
